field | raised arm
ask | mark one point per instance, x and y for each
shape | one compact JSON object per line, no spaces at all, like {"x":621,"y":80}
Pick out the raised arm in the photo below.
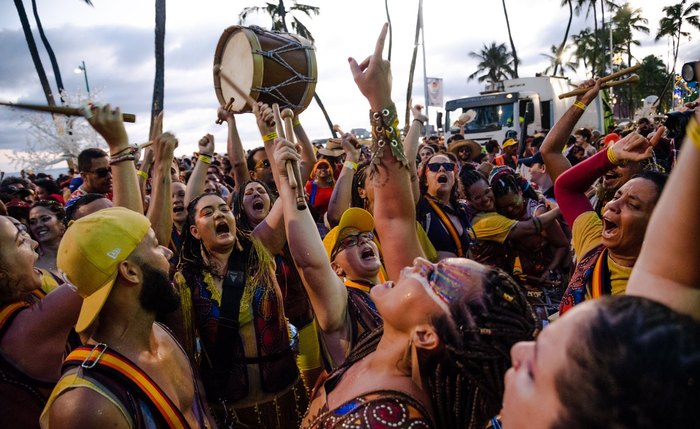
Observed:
{"x":394,"y":210}
{"x":109,"y":124}
{"x":553,"y":144}
{"x":666,"y":270}
{"x":160,"y":211}
{"x":195,"y":186}
{"x":341,"y":198}
{"x":327,"y":292}
{"x":570,"y":188}
{"x":234,"y":150}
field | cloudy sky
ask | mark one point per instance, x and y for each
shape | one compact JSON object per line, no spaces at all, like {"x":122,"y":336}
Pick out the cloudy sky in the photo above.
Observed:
{"x":115,"y":39}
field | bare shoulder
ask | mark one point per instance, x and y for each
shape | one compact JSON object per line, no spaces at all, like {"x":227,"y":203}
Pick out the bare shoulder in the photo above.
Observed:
{"x":83,"y":407}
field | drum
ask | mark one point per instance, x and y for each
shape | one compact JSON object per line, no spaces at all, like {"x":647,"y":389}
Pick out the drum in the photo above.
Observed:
{"x":270,"y":66}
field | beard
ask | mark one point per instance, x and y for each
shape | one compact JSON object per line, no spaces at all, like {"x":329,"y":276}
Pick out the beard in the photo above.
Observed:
{"x":158,"y":295}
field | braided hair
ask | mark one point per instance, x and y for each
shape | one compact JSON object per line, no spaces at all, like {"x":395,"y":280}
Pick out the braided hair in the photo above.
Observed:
{"x":504,"y":181}
{"x":464,"y":377}
{"x":468,"y":177}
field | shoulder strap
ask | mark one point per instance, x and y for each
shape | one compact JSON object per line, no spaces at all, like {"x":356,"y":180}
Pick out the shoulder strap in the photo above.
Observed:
{"x":312,"y":197}
{"x":100,"y":358}
{"x":600,"y":283}
{"x":448,"y":225}
{"x":8,"y":312}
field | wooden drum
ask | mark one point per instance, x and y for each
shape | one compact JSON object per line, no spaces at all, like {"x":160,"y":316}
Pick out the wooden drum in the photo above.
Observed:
{"x":270,"y":66}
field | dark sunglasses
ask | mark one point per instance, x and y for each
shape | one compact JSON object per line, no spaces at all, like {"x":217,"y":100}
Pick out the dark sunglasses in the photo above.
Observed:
{"x":435,"y":166}
{"x":352,"y":240}
{"x":265,"y":163}
{"x":322,"y":166}
{"x":102,"y":172}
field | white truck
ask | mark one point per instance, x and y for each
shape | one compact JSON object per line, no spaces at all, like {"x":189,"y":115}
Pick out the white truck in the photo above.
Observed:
{"x":530,"y":101}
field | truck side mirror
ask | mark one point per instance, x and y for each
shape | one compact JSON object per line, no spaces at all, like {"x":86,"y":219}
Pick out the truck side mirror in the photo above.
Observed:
{"x":438,"y":120}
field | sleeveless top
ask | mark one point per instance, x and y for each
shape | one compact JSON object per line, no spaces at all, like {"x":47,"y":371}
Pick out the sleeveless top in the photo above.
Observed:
{"x":22,"y":398}
{"x":435,"y":219}
{"x":139,"y":399}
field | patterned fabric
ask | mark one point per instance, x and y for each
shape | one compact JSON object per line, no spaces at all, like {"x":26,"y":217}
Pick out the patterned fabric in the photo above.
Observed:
{"x":377,"y":410}
{"x":575,"y":292}
{"x":261,"y":344}
{"x":374,"y":410}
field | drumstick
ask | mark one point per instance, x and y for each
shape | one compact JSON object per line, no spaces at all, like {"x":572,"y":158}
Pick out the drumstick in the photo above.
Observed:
{"x":632,"y":79}
{"x":337,"y":128}
{"x":288,"y":117}
{"x":61,"y":110}
{"x":657,"y":136}
{"x":228,"y":105}
{"x":251,"y":102}
{"x":280,"y":132}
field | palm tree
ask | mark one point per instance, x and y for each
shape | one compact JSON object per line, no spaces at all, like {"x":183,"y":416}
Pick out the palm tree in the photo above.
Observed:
{"x":512,"y":44}
{"x":585,"y":44}
{"x":671,"y":25}
{"x":34,"y":52}
{"x":278,"y":13}
{"x":590,"y":5}
{"x":555,"y":60}
{"x":628,"y":20}
{"x":159,"y":80}
{"x":561,"y":48}
{"x":494,"y":64}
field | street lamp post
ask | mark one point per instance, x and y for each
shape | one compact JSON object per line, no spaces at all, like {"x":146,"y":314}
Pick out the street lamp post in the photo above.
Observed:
{"x":82,"y":69}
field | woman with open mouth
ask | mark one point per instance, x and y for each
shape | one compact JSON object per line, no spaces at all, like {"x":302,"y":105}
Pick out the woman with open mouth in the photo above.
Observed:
{"x":232,"y":319}
{"x":443,"y":217}
{"x":607,"y":247}
{"x":319,"y":188}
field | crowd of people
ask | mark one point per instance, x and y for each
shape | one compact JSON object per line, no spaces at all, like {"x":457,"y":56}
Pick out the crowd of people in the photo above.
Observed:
{"x":424,"y":284}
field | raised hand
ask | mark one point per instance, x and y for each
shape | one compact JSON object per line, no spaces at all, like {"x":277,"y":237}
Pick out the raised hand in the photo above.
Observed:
{"x":373,"y":75}
{"x":224,"y":115}
{"x":351,"y":147}
{"x":110,"y":125}
{"x":265,"y":118}
{"x":164,"y":148}
{"x":285,"y":151}
{"x":593,"y":86}
{"x":632,"y":147}
{"x":206,"y":145}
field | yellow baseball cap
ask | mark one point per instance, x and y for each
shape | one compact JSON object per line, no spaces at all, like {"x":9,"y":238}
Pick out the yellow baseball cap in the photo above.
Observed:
{"x":353,"y":217}
{"x":509,"y":142}
{"x":90,"y":253}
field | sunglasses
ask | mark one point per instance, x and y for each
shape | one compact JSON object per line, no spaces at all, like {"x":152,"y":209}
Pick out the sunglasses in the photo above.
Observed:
{"x":352,"y":240}
{"x":435,"y":166}
{"x":265,"y":163}
{"x":102,"y":172}
{"x":322,"y":166}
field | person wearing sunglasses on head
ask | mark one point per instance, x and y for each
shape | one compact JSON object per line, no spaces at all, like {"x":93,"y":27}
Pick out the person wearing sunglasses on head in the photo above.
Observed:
{"x":443,"y":217}
{"x":96,"y":173}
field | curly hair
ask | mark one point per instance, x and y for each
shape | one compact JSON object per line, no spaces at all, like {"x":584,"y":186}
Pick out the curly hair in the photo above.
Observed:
{"x":359,"y":180}
{"x":464,"y":377}
{"x":635,"y":365}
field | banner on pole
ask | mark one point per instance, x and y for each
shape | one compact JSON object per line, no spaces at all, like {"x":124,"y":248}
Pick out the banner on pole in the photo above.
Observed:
{"x":435,"y":97}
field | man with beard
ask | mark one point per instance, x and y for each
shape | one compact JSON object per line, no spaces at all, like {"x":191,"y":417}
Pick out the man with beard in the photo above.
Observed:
{"x":96,"y":173}
{"x":131,"y":372}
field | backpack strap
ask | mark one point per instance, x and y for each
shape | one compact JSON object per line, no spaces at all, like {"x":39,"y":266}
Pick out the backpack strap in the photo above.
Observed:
{"x":100,"y":358}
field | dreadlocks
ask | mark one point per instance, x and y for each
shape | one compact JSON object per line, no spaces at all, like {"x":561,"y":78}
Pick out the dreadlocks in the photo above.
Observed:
{"x":468,"y":177}
{"x":465,"y":377}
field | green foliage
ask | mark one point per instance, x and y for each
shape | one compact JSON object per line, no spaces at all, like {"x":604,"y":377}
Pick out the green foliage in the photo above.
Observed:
{"x":278,"y":14}
{"x":494,"y":63}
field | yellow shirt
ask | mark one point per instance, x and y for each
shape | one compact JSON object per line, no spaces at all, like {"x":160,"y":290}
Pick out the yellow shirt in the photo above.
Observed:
{"x":587,"y":233}
{"x":492,"y":227}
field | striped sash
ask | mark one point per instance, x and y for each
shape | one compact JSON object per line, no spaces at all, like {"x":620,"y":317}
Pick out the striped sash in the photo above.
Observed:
{"x":101,"y":358}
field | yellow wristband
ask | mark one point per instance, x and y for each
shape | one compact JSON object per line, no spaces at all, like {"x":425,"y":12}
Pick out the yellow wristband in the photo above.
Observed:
{"x":580,"y":105}
{"x":296,"y":121}
{"x":270,"y":137}
{"x":143,"y":174}
{"x":611,"y":157}
{"x":692,"y":132}
{"x":351,"y":165}
{"x":205,"y":159}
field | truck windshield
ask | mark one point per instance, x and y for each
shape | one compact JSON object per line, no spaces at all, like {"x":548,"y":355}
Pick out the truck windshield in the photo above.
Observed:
{"x":489,"y":118}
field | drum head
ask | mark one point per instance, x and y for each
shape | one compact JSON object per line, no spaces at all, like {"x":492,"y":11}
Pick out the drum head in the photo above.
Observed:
{"x":234,"y":58}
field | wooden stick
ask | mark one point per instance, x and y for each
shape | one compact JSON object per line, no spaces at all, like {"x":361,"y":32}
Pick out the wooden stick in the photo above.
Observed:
{"x":228,"y":105}
{"x":279,"y":124}
{"x":61,"y":110}
{"x":288,"y":117}
{"x":251,"y":102}
{"x":608,"y":84}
